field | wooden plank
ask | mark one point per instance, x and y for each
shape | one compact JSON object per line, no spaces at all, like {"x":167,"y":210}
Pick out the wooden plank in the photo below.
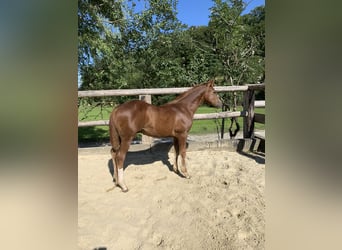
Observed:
{"x":155,"y":91}
{"x":260,"y":134}
{"x":258,"y":86}
{"x":260,"y":118}
{"x":145,"y":139}
{"x":259,"y":104}
{"x":93,"y":123}
{"x":130,"y":92}
{"x":227,"y":114}
{"x":248,"y":121}
{"x":219,"y":115}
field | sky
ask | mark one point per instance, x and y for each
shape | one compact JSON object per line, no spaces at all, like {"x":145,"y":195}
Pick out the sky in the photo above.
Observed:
{"x":196,"y":12}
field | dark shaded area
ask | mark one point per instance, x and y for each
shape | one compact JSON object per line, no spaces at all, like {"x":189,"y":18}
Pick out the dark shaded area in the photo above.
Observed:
{"x":147,"y":156}
{"x":254,"y":151}
{"x":97,"y":136}
{"x":93,"y":134}
{"x":157,"y":152}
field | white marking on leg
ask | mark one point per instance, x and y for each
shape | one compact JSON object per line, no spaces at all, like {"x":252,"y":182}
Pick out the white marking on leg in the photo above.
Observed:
{"x":120,"y":175}
{"x":121,"y":180}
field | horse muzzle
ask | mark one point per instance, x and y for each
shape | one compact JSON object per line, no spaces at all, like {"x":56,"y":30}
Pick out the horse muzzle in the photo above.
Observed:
{"x":219,"y":104}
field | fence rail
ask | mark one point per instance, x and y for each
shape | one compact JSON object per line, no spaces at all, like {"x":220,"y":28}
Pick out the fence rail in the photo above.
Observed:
{"x":247,"y":113}
{"x":227,"y":114}
{"x":162,"y":91}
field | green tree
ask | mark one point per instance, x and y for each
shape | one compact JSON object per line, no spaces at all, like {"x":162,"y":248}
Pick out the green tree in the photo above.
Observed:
{"x":122,"y":45}
{"x":156,"y":28}
{"x":237,"y":47}
{"x":234,"y":43}
{"x":100,"y":23}
{"x":255,"y":23}
{"x":200,"y":62}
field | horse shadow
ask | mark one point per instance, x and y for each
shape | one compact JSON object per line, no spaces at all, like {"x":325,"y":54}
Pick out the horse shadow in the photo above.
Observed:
{"x":157,"y":152}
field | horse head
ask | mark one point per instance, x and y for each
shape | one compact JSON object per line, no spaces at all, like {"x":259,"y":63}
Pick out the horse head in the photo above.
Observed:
{"x":210,"y":96}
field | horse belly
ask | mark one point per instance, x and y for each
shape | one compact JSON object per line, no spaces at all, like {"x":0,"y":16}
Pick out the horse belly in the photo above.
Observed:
{"x":156,"y":131}
{"x":159,"y":125}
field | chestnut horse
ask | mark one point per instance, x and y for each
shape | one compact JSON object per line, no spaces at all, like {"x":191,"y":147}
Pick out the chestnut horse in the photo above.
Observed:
{"x":173,"y":119}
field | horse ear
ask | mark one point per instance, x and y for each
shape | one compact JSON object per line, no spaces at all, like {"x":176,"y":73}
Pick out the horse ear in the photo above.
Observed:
{"x":210,"y":83}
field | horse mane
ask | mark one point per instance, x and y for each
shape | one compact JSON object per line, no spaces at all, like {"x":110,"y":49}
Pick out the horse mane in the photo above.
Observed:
{"x":186,"y":93}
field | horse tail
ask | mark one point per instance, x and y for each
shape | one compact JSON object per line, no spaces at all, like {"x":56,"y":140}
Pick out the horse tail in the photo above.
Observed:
{"x":113,"y":134}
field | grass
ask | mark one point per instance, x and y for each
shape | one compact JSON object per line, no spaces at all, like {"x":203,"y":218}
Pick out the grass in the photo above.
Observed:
{"x":211,"y":126}
{"x":91,"y":113}
{"x":101,"y":133}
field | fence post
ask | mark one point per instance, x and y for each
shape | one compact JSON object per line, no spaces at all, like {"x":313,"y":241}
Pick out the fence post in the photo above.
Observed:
{"x":146,"y":139}
{"x":248,"y":121}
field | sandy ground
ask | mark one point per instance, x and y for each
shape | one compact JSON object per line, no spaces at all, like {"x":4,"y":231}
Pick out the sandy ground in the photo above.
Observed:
{"x":222,"y":206}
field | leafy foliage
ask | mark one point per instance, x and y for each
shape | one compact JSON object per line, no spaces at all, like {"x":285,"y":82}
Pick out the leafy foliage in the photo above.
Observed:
{"x":142,"y":44}
{"x":236,"y":44}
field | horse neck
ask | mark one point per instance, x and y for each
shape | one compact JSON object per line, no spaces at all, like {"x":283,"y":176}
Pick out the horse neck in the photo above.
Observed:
{"x":192,"y":99}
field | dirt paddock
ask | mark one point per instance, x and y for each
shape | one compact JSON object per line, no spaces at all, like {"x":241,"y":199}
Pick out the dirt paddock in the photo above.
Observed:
{"x":222,"y":206}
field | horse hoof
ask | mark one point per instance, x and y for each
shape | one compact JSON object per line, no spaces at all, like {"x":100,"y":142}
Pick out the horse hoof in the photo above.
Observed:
{"x":186,"y":175}
{"x":123,"y":189}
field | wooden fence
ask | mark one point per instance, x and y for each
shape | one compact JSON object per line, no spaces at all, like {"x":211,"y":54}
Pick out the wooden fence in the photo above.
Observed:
{"x":247,"y":113}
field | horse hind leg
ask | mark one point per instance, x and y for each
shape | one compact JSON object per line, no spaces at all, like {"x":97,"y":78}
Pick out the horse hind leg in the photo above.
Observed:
{"x":115,"y":141}
{"x":118,"y":170}
{"x":176,"y":146}
{"x":119,"y":160}
{"x":115,"y":166}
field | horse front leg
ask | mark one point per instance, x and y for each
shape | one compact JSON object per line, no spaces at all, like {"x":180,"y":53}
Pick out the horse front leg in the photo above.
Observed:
{"x":176,"y":146}
{"x":182,"y":151}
